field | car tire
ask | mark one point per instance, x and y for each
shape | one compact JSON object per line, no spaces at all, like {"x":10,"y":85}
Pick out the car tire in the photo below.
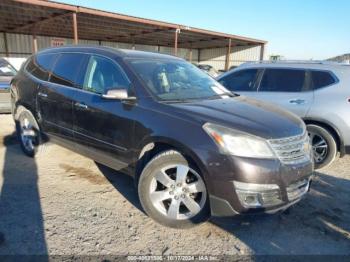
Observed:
{"x":181,"y":199}
{"x":323,"y":144}
{"x":28,"y":131}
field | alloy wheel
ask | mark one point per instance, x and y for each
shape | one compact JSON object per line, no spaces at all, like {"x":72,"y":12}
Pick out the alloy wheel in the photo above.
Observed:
{"x":27,"y":133}
{"x":319,"y":147}
{"x":178,"y":192}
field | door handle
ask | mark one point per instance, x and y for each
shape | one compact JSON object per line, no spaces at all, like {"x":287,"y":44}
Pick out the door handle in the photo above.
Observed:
{"x":297,"y":101}
{"x":42,"y":94}
{"x":81,"y":105}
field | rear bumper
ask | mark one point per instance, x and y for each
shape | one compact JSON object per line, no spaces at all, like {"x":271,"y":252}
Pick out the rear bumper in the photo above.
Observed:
{"x":347,"y":150}
{"x":291,"y":184}
{"x":5,"y":102}
{"x":5,"y":108}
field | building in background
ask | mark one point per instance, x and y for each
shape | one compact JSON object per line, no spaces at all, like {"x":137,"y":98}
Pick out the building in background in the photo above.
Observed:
{"x":341,"y":59}
{"x":27,"y":26}
{"x":276,"y":57}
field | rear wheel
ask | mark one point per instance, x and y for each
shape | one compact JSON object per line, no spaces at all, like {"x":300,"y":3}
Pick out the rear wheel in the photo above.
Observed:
{"x":27,"y":131}
{"x":173,"y":192}
{"x":324,"y":146}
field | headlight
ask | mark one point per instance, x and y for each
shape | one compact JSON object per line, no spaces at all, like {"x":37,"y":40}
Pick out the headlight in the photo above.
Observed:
{"x":238,"y":143}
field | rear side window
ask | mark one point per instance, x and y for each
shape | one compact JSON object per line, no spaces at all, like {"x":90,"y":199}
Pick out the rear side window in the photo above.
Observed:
{"x":103,"y":74}
{"x":40,"y":65}
{"x":243,"y":80}
{"x":67,"y":68}
{"x":321,"y":79}
{"x":284,"y":80}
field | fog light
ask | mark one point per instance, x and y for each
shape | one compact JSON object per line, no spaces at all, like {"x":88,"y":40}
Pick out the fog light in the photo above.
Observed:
{"x":251,"y":199}
{"x":248,"y":199}
{"x":258,"y":195}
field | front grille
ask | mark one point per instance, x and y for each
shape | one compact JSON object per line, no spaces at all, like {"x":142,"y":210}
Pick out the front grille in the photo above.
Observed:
{"x":292,"y":150}
{"x":297,"y":189}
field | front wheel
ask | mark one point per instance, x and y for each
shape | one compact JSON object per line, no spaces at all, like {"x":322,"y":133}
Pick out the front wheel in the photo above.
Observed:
{"x":173,"y":192}
{"x":324,"y":146}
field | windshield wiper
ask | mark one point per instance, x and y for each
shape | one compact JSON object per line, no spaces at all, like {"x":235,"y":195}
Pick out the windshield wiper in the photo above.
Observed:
{"x":175,"y":100}
{"x":188,"y":100}
{"x":221,"y":95}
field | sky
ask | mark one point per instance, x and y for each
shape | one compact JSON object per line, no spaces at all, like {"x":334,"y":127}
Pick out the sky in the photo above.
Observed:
{"x":295,"y":29}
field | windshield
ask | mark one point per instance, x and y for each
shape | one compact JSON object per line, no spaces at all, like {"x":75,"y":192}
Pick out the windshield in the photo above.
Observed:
{"x":6,"y":69}
{"x":177,"y":80}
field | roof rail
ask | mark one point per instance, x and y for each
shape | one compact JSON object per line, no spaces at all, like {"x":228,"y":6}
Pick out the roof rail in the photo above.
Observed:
{"x":320,"y":62}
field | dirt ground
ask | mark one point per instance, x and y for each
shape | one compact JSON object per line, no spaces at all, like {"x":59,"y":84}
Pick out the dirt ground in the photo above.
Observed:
{"x":62,"y":203}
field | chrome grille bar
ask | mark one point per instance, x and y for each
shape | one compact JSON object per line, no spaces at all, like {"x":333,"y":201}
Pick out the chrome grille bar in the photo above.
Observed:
{"x":291,"y":150}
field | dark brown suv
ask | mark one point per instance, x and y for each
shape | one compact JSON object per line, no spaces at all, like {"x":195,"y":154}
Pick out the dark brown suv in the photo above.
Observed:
{"x":194,"y":148}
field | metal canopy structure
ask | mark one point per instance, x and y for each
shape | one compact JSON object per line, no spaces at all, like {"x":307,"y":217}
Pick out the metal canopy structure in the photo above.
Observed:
{"x":46,"y":18}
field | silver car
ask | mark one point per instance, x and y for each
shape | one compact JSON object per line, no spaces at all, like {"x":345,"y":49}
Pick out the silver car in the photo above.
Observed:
{"x":318,"y":92}
{"x":7,"y":72}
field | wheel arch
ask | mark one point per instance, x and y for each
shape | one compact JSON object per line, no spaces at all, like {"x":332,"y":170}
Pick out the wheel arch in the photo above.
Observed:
{"x":155,"y":145}
{"x":332,"y":129}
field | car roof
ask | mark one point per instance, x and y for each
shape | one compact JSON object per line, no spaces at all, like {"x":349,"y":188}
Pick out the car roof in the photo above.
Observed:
{"x":337,"y":68}
{"x":320,"y":65}
{"x":109,"y":51}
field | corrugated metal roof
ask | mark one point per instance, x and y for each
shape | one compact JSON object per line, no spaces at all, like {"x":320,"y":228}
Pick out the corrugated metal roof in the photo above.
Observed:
{"x":48,"y":18}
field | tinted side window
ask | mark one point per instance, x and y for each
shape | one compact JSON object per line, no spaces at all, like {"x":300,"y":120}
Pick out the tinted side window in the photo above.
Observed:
{"x":102,"y":74}
{"x":40,"y":65}
{"x":284,"y":80}
{"x":321,"y":79}
{"x":240,"y":81}
{"x":67,"y":68}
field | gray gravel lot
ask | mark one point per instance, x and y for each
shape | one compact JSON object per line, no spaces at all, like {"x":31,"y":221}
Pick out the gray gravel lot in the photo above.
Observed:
{"x":62,"y":203}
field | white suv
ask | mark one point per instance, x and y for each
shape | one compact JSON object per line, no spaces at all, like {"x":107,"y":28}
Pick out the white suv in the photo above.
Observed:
{"x":318,"y":92}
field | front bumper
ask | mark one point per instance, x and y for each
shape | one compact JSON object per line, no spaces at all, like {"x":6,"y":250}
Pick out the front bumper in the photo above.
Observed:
{"x":270,"y":186}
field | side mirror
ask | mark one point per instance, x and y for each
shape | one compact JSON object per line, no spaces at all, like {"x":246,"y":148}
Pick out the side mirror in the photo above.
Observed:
{"x":118,"y":94}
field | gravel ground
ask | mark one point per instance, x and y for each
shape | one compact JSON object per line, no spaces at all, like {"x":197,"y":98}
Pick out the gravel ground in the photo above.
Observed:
{"x":62,"y":203}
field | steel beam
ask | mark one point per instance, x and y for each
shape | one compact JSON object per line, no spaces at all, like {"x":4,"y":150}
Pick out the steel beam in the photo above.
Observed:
{"x":177,"y":31}
{"x":262,"y":52}
{"x":35,"y":44}
{"x":228,"y":53}
{"x":75,"y":28}
{"x":6,"y":45}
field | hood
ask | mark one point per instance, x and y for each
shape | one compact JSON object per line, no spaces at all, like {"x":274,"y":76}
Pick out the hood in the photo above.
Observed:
{"x":5,"y":82}
{"x":244,"y":114}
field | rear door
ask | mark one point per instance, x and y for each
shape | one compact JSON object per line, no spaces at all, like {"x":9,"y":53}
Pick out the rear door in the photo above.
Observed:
{"x":55,"y":97}
{"x":103,"y":128}
{"x":288,"y":88}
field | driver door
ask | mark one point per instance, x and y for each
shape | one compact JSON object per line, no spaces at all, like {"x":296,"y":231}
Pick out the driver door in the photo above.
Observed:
{"x":103,"y":129}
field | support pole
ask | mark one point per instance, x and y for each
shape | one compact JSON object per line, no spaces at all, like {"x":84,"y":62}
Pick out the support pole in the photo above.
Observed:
{"x":190,"y":55}
{"x":228,"y":53}
{"x":75,"y":28}
{"x":262,"y":51}
{"x":35,"y":44}
{"x":6,"y":45}
{"x":177,"y":31}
